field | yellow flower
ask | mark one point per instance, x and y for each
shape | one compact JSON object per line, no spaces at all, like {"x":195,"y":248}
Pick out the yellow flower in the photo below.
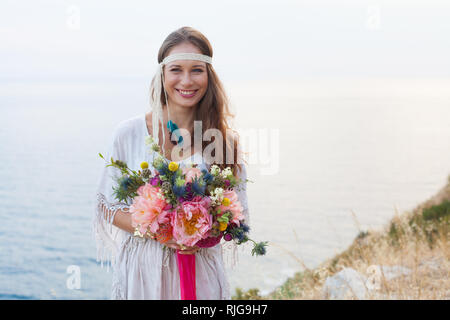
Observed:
{"x":223,"y":226}
{"x":144,"y":165}
{"x":173,"y":166}
{"x":226,"y":202}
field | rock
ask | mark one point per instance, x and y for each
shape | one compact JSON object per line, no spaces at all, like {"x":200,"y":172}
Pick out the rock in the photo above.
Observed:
{"x":434,"y":264}
{"x":346,"y":284}
{"x":388,"y":272}
{"x":350,"y":284}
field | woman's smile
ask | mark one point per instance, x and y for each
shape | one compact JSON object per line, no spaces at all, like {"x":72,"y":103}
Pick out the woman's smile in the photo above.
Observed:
{"x":187,"y":93}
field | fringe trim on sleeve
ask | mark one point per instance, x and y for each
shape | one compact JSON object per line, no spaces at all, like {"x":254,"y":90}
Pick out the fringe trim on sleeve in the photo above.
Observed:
{"x":229,"y":253}
{"x":106,"y":234}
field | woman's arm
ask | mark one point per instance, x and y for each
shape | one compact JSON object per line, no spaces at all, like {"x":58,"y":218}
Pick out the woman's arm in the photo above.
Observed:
{"x":122,"y":220}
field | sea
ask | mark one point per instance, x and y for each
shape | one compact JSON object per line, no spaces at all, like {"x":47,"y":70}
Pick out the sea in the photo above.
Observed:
{"x":327,"y":159}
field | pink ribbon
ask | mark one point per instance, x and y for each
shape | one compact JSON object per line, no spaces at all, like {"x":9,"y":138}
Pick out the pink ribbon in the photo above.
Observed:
{"x":186,"y":270}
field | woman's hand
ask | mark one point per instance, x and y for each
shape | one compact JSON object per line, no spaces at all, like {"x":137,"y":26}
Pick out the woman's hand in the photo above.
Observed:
{"x":189,"y":250}
{"x":172,"y":244}
{"x":182,"y":249}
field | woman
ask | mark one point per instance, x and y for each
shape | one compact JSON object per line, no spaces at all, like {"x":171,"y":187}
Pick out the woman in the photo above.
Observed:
{"x":191,"y":91}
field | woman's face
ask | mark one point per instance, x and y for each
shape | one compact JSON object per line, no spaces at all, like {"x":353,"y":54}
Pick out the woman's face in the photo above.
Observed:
{"x":185,"y":81}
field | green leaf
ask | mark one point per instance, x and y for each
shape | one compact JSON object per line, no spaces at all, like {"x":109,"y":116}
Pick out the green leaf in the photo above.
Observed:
{"x":223,"y":219}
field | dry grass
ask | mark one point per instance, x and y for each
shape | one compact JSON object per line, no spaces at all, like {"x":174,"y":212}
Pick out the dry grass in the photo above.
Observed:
{"x":417,"y":240}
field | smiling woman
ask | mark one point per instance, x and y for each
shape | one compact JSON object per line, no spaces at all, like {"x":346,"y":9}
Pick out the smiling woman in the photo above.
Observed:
{"x":185,"y":89}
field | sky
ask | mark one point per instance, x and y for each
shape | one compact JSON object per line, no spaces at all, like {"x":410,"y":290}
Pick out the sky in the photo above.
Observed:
{"x":119,"y":40}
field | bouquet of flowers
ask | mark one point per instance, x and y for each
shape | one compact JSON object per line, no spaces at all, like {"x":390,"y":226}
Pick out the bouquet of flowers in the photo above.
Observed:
{"x":190,"y":206}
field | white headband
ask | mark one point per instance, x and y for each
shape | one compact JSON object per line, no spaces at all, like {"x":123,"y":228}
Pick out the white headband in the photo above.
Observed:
{"x":155,"y":98}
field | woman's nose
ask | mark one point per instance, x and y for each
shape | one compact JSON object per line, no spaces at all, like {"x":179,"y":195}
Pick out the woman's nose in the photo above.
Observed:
{"x":186,"y":79}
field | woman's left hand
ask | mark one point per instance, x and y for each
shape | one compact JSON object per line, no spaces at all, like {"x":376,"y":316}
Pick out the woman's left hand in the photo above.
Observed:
{"x":189,"y":250}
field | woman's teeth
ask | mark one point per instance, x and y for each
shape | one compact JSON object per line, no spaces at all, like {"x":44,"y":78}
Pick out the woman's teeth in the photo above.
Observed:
{"x":187,"y":92}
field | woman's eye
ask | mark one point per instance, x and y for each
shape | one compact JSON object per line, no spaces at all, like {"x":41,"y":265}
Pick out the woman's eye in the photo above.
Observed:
{"x":196,"y":70}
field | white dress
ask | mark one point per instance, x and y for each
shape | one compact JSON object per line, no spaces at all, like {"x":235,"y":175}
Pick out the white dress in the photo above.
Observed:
{"x":141,"y":268}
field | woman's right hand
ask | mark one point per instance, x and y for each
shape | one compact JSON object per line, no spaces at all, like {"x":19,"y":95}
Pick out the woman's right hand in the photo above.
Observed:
{"x":183,"y":250}
{"x":172,"y":244}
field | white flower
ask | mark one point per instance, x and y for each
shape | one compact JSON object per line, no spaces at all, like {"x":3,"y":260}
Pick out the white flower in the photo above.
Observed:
{"x":215,"y":201}
{"x":226,"y":172}
{"x":218,"y":191}
{"x":155,"y":147}
{"x":216,"y":196}
{"x":219,"y":194}
{"x":149,"y":140}
{"x":215,"y":170}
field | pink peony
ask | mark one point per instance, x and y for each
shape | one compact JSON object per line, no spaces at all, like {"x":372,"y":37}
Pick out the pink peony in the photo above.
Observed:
{"x":192,"y":221}
{"x":191,"y":173}
{"x":235,"y":207}
{"x":148,"y":210}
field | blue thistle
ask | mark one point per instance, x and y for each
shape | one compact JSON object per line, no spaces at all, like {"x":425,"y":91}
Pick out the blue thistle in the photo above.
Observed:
{"x":245,"y":228}
{"x":198,"y":187}
{"x":125,"y":188}
{"x":173,"y":179}
{"x":207,"y":177}
{"x":164,"y":169}
{"x":161,"y":166}
{"x":259,"y":248}
{"x":179,"y":191}
{"x":125,"y":183}
{"x":240,"y":236}
{"x":179,"y":188}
